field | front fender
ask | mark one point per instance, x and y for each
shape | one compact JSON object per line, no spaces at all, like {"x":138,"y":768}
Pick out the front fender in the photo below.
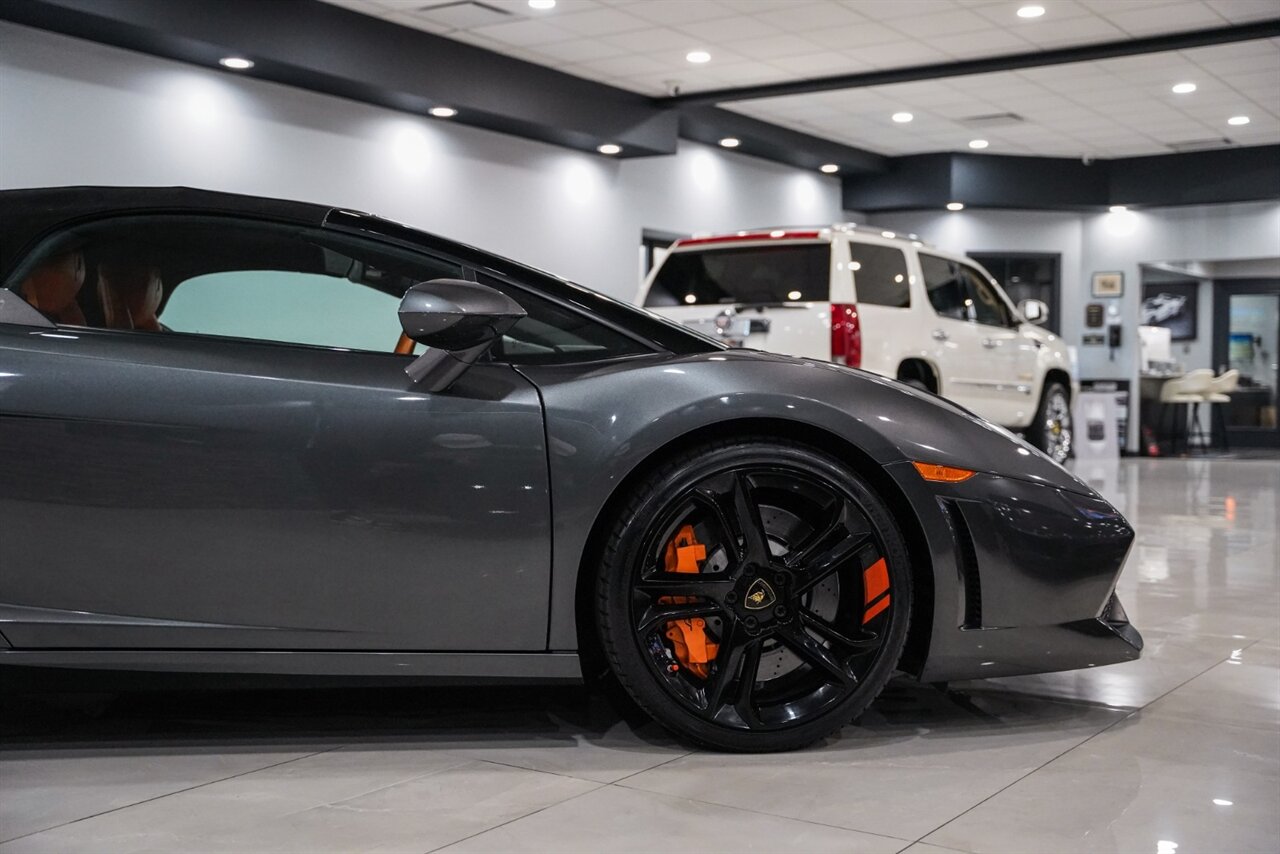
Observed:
{"x":605,"y":420}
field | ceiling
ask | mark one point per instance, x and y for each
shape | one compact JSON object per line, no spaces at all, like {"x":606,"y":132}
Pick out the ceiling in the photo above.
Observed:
{"x":1108,"y":108}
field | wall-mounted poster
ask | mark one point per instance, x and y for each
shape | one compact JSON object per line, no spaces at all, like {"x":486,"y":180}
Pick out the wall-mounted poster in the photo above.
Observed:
{"x":1173,"y":306}
{"x":1108,"y":285}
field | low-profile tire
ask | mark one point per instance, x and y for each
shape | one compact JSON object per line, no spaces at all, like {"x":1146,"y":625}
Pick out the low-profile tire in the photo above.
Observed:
{"x":1052,"y":430}
{"x":802,"y":581}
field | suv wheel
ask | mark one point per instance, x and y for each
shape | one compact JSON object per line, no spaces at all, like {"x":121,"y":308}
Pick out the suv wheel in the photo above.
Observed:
{"x":1052,"y":430}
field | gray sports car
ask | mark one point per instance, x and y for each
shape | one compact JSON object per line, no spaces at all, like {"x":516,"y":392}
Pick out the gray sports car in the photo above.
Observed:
{"x":240,"y":435}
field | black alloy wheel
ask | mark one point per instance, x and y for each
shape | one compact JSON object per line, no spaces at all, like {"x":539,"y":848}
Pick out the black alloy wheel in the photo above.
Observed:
{"x":754,"y":595}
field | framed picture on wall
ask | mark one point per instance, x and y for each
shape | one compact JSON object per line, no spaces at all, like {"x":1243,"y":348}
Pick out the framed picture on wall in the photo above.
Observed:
{"x":1173,"y":306}
{"x":1108,"y":285}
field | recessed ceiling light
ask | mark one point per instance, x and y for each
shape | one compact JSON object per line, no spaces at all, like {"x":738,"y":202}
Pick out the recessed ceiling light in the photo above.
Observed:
{"x":829,"y":168}
{"x":1030,"y":11}
{"x":1222,"y":802}
{"x":1117,"y":208}
{"x":730,"y":142}
{"x":443,"y":112}
{"x":1238,"y":120}
{"x":1183,"y":88}
{"x":902,"y":118}
{"x":978,"y":143}
{"x":542,"y":5}
{"x":955,"y":206}
{"x":698,"y":56}
{"x":236,"y":63}
{"x":690,"y":298}
{"x":609,"y":148}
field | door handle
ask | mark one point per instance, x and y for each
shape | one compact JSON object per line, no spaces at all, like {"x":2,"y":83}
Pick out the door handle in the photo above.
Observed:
{"x":990,"y":343}
{"x":939,"y":335}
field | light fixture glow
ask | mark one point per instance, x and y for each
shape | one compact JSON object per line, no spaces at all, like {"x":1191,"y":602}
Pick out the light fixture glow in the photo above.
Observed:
{"x":1183,"y":88}
{"x":978,"y":144}
{"x":795,"y":295}
{"x":690,"y":299}
{"x":829,"y":168}
{"x":888,"y":234}
{"x":955,"y":206}
{"x":902,"y":118}
{"x":1223,"y":802}
{"x":236,"y":63}
{"x":609,"y":148}
{"x":1238,"y":120}
{"x":1117,"y":208}
{"x":730,"y":142}
{"x":1030,"y":11}
{"x":542,"y":5}
{"x":443,"y":112}
{"x":697,"y":57}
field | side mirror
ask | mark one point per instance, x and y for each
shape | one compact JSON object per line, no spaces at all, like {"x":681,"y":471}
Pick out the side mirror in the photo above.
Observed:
{"x":457,"y":321}
{"x":1033,"y":311}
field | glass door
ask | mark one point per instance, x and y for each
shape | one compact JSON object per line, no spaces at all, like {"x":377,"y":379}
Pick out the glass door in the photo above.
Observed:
{"x":1247,"y":339}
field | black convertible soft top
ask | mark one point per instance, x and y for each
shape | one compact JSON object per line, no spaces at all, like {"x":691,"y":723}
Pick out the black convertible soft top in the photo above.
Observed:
{"x":29,"y":215}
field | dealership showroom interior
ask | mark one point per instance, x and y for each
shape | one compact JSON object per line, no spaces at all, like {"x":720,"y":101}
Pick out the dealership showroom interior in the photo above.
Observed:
{"x":640,"y":426}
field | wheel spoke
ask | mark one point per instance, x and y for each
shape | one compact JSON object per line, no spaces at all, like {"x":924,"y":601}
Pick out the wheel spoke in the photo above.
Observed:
{"x":814,"y":653}
{"x":659,"y":613}
{"x":733,"y":681}
{"x":835,"y":558}
{"x":740,"y":516}
{"x":684,"y":584}
{"x":745,"y":705}
{"x":861,"y":642}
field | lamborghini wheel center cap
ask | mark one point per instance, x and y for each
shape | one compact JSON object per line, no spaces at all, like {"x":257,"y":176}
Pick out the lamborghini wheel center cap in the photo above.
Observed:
{"x":759,"y":596}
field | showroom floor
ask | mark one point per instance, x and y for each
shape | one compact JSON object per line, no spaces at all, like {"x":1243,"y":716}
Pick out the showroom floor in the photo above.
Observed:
{"x":1177,"y":752}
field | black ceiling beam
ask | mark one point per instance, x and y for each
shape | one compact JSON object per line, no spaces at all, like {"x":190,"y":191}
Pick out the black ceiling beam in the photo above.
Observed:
{"x":325,"y":48}
{"x":1009,"y":62}
{"x":931,"y":181}
{"x":774,"y":142}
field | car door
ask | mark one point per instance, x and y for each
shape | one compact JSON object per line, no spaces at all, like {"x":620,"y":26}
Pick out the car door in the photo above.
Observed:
{"x":954,"y":341}
{"x":239,"y":461}
{"x":1009,"y":373}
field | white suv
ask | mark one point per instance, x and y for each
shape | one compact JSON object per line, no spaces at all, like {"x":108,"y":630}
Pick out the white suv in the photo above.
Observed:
{"x":873,"y":300}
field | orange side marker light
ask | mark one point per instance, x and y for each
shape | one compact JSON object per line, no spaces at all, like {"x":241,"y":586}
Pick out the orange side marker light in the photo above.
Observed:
{"x":943,"y":474}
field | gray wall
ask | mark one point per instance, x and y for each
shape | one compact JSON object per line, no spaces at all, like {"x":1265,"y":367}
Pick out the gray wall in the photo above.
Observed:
{"x":75,"y":112}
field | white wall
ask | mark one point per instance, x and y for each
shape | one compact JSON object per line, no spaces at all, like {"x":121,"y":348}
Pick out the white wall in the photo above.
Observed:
{"x":75,"y":112}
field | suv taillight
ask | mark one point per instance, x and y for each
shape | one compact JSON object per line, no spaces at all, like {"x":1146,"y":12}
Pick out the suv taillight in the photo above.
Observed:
{"x":846,"y":335}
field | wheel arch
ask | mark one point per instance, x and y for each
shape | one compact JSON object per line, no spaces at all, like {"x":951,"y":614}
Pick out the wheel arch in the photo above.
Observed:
{"x":915,"y":367}
{"x":861,"y":463}
{"x":1058,"y":375}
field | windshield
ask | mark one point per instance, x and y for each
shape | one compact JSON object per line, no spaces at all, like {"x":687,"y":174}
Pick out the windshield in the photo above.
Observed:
{"x":757,"y":275}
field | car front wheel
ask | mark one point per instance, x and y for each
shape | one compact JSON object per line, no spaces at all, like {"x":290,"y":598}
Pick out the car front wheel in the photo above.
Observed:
{"x":754,"y":595}
{"x":1052,"y":431}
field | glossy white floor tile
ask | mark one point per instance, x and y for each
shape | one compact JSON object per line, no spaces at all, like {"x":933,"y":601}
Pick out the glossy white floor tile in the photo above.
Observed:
{"x":1180,"y":748}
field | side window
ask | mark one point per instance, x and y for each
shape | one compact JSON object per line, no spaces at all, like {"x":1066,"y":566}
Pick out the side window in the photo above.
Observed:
{"x":552,"y":334}
{"x":226,"y":277}
{"x":946,"y":287}
{"x":988,"y":307}
{"x":880,"y":275}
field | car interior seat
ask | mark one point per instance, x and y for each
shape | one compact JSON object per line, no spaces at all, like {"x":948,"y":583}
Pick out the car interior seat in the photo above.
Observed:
{"x":130,"y":294}
{"x":51,"y":288}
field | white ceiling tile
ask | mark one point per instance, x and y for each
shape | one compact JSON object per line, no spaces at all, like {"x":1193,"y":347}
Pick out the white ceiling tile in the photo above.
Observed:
{"x":801,"y":17}
{"x":621,"y":66}
{"x":670,"y":13}
{"x":728,"y":29}
{"x":1073,"y":31}
{"x":815,"y":64}
{"x":523,"y":33}
{"x":1242,"y":11}
{"x":884,"y":10}
{"x":417,"y":22}
{"x":652,"y":40}
{"x":600,"y":22}
{"x":979,"y":44}
{"x":897,"y":54}
{"x":855,"y":36}
{"x":954,"y":23}
{"x":574,"y":50}
{"x":784,"y":44}
{"x":1152,"y":18}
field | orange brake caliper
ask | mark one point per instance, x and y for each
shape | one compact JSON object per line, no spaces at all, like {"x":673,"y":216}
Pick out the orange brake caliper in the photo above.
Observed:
{"x":689,"y":637}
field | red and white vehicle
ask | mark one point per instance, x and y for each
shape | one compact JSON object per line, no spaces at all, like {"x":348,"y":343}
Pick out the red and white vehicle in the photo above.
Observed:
{"x":871,"y":299}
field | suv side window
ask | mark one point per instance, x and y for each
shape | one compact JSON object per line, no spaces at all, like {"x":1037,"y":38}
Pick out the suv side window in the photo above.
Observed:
{"x":553,"y":334}
{"x":227,"y":277}
{"x":988,"y":307}
{"x":944,"y":282}
{"x":880,"y":275}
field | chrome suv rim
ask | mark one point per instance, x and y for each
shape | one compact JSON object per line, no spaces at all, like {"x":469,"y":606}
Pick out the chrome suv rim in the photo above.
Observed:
{"x":1057,"y":427}
{"x":761,"y":598}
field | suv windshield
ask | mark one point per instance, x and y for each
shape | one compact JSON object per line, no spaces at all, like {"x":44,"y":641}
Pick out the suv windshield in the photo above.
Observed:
{"x":758,"y":275}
